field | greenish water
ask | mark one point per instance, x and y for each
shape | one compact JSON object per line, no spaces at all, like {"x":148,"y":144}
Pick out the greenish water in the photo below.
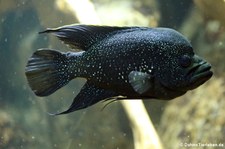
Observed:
{"x":24,"y":119}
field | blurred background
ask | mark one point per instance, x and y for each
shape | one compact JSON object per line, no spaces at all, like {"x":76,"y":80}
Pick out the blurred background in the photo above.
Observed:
{"x":197,"y":117}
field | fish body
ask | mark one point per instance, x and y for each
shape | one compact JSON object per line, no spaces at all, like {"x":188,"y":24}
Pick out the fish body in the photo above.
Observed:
{"x":118,"y":62}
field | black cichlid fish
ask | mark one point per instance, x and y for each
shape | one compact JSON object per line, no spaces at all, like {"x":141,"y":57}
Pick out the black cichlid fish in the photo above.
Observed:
{"x":118,"y":63}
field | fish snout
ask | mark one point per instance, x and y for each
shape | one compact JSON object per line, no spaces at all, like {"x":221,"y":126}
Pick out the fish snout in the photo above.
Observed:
{"x":200,"y":73}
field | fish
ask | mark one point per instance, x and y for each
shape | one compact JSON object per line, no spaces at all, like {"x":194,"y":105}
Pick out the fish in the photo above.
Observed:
{"x":118,"y":63}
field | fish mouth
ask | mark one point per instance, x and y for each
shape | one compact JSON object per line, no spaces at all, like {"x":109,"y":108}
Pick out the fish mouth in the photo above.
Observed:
{"x":200,"y":73}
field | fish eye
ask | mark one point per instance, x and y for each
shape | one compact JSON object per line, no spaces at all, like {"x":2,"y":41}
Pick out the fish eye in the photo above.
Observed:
{"x":185,"y":61}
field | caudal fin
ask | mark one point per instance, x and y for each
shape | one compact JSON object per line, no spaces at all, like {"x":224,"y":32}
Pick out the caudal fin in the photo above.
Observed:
{"x":47,"y":71}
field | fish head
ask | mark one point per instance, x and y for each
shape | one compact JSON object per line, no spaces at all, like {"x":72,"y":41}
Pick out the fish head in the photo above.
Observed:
{"x":178,"y":68}
{"x":196,"y":71}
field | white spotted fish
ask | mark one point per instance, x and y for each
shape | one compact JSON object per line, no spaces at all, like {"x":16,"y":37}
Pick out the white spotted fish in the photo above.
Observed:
{"x":119,"y":63}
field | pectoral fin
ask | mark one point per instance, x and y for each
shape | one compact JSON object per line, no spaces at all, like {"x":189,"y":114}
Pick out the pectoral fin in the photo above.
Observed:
{"x":141,"y":82}
{"x":89,"y":95}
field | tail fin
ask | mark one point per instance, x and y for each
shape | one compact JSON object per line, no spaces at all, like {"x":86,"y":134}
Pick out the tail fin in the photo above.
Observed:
{"x":47,"y":71}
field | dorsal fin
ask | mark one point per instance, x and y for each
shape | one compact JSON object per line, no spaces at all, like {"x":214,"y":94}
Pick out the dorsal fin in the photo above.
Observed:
{"x":83,"y":36}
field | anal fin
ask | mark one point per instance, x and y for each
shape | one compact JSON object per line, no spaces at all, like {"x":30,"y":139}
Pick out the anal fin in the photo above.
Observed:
{"x":89,"y":95}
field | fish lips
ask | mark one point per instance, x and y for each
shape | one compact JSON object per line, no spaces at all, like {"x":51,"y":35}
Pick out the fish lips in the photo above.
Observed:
{"x":200,"y":73}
